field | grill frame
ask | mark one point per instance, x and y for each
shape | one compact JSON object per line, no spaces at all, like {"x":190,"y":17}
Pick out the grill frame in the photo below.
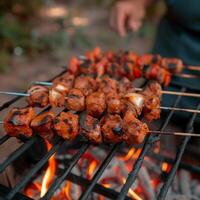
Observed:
{"x":92,"y":185}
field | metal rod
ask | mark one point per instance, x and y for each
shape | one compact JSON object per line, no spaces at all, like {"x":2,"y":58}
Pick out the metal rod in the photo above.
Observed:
{"x":4,"y":139}
{"x":34,"y":170}
{"x":139,"y":89}
{"x":187,"y":76}
{"x":175,"y":93}
{"x":15,"y":99}
{"x":99,"y":172}
{"x":62,"y":177}
{"x":193,"y":68}
{"x":175,"y":133}
{"x":15,"y":94}
{"x":17,"y":153}
{"x":149,"y":141}
{"x":180,"y":109}
{"x":181,"y":149}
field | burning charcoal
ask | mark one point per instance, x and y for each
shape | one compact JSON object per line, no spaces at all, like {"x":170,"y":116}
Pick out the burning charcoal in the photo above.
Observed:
{"x":185,"y":179}
{"x":146,"y":184}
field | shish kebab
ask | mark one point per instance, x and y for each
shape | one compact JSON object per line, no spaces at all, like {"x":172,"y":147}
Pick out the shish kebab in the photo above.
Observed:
{"x":66,"y":87}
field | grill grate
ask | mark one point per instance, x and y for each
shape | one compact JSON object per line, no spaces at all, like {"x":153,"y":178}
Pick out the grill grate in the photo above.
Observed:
{"x":92,"y":185}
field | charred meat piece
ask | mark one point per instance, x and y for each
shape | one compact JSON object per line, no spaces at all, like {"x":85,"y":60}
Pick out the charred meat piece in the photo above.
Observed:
{"x":114,"y":103}
{"x":148,"y":59}
{"x":107,"y":85}
{"x":60,"y":89}
{"x":67,"y":80}
{"x":56,"y":98}
{"x":66,"y":125}
{"x":39,"y":96}
{"x":113,"y":69}
{"x":112,"y":128}
{"x":134,"y":129}
{"x":174,"y":65}
{"x":90,"y":128}
{"x":133,"y":102}
{"x":125,"y":86}
{"x":86,"y":67}
{"x":152,"y":94}
{"x":96,"y":104}
{"x":42,"y":125}
{"x":75,"y":100}
{"x":85,"y":84}
{"x":18,"y":120}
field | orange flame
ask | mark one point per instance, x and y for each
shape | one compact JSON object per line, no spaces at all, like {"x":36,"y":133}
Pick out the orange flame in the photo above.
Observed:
{"x":67,"y":190}
{"x":91,"y":168}
{"x":164,"y":166}
{"x":128,"y":155}
{"x":49,"y":174}
{"x":137,"y":153}
{"x":132,"y":194}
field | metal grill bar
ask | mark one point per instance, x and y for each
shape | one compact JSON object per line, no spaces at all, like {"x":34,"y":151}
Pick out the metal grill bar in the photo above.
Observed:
{"x":99,"y":172}
{"x":107,"y":192}
{"x":182,"y":165}
{"x":62,"y":177}
{"x":17,"y":153}
{"x":4,"y":138}
{"x":179,"y":155}
{"x":5,"y":190}
{"x":34,"y":170}
{"x":149,"y":141}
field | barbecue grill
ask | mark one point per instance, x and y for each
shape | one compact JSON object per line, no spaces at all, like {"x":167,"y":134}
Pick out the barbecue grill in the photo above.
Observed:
{"x":92,"y":185}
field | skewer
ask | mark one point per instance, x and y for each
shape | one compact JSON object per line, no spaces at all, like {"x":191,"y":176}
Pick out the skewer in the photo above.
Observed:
{"x":187,"y":76}
{"x":161,"y":107}
{"x":137,"y":89}
{"x":175,"y":133}
{"x":164,"y":132}
{"x":193,"y":68}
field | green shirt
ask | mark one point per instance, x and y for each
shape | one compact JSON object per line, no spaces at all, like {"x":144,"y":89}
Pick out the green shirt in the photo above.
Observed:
{"x":178,"y":35}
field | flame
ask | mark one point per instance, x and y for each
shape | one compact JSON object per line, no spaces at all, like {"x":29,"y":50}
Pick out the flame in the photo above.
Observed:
{"x":128,"y":155}
{"x":164,"y":166}
{"x":49,"y":174}
{"x":67,"y":190}
{"x":91,"y":168}
{"x":137,"y":153}
{"x":32,"y":187}
{"x":132,"y":194}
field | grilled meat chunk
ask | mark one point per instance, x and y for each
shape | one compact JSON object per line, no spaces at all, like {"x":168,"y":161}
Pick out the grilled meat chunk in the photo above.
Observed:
{"x":39,"y":96}
{"x":60,"y":89}
{"x":66,"y":125}
{"x":67,"y":81}
{"x":134,"y":129}
{"x":18,"y":120}
{"x":75,"y":100}
{"x":114,"y":103}
{"x":112,"y":128}
{"x":125,"y":86}
{"x":133,"y":102}
{"x":42,"y":125}
{"x":107,"y":85}
{"x":96,"y":104}
{"x":90,"y":128}
{"x":85,"y":84}
{"x":152,"y":94}
{"x":56,"y":98}
{"x":174,"y":65}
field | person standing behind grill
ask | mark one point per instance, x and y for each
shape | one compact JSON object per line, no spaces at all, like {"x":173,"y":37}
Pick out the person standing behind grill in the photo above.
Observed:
{"x":178,"y":35}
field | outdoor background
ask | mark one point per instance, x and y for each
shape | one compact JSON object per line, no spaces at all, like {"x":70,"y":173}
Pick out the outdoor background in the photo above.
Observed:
{"x":38,"y":37}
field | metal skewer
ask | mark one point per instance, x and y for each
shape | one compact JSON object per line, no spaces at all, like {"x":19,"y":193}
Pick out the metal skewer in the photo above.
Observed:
{"x":164,"y":132}
{"x":161,"y":107}
{"x":137,"y":89}
{"x":193,"y":68}
{"x":187,"y":76}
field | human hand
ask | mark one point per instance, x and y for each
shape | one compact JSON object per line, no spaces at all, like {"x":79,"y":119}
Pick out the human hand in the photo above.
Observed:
{"x":127,"y":14}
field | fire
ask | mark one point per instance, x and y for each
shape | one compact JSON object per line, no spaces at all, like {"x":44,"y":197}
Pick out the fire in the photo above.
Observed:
{"x":128,"y":155}
{"x":164,"y":166}
{"x":91,"y":168}
{"x":132,"y":194}
{"x":49,"y":174}
{"x":67,"y":190}
{"x":137,"y":153}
